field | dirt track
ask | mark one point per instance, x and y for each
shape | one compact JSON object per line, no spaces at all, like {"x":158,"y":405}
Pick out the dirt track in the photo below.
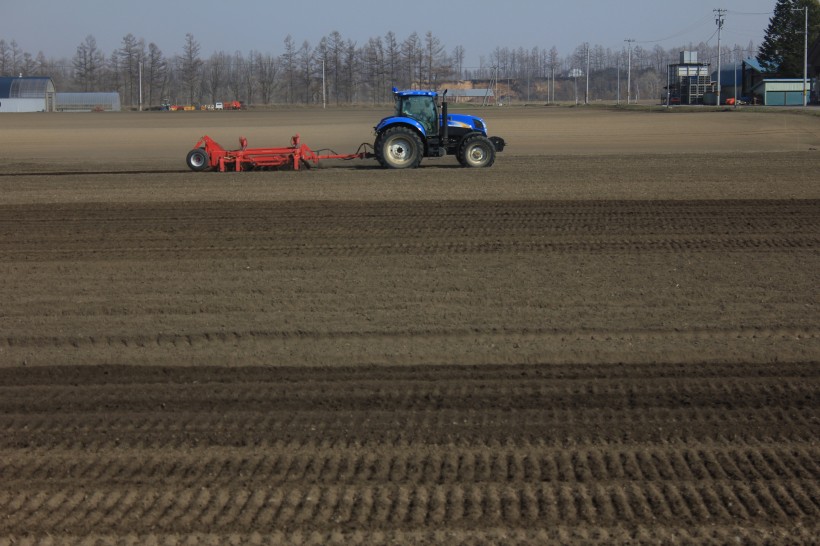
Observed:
{"x":618,"y":346}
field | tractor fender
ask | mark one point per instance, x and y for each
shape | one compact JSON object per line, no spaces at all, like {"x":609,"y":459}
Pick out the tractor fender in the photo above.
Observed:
{"x":386,"y":123}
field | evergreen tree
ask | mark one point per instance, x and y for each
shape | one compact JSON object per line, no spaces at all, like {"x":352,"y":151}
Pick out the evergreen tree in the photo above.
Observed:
{"x":782,"y":48}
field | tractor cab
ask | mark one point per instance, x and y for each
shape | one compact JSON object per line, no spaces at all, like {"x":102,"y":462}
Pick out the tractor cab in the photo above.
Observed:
{"x":420,"y":106}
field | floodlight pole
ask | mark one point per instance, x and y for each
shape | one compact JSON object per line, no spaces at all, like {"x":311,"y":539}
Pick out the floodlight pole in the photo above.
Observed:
{"x":629,"y":69}
{"x":805,"y":54}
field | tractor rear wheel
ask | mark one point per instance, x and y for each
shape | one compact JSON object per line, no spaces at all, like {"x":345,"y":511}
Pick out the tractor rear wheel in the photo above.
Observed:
{"x":399,"y":148}
{"x":476,"y":151}
{"x":197,"y":159}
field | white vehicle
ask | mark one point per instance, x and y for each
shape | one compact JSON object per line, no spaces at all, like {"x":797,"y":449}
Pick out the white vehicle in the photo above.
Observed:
{"x":218,"y":106}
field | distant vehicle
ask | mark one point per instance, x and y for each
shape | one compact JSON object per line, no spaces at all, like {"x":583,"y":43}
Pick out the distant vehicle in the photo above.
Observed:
{"x":228,"y":105}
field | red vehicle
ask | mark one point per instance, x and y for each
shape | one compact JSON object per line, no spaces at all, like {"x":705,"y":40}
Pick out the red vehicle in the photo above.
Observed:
{"x":229,"y":105}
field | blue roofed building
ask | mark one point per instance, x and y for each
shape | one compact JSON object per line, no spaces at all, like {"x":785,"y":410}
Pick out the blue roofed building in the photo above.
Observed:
{"x":30,"y":94}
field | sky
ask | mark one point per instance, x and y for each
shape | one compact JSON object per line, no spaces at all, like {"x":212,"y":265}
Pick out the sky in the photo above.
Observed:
{"x":57,"y":27}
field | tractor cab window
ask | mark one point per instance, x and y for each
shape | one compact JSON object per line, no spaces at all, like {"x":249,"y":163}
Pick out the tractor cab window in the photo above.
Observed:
{"x":421,"y":109}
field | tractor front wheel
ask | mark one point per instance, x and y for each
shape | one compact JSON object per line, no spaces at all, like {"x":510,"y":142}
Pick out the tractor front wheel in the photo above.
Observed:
{"x":476,"y":151}
{"x":399,"y":148}
{"x":197,"y":159}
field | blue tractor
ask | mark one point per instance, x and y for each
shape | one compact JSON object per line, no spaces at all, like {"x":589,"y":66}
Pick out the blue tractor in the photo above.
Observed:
{"x":421,"y":127}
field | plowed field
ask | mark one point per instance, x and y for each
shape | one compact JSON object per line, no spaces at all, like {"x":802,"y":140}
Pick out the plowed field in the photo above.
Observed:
{"x":599,"y":340}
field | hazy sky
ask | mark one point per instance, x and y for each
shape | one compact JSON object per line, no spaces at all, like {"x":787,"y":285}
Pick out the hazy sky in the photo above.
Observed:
{"x":57,"y":27}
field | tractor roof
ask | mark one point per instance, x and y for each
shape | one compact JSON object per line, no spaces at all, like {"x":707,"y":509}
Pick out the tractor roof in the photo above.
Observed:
{"x":414,"y":93}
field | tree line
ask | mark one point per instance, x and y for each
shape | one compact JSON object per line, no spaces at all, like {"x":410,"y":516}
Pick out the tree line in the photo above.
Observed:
{"x":341,"y":71}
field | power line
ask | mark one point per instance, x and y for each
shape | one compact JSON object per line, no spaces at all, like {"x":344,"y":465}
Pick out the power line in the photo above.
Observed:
{"x":749,"y":13}
{"x":690,"y":28}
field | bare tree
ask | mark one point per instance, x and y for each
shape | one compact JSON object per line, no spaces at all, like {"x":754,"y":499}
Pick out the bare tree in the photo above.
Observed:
{"x":266,"y":69}
{"x":190,"y":66}
{"x":29,"y":65}
{"x":156,"y":72}
{"x":113,"y":74}
{"x":5,"y":59}
{"x":392,"y":57}
{"x":334,"y":46}
{"x":351,"y":67}
{"x":235,"y":71}
{"x":88,"y":64}
{"x":411,"y":59}
{"x":15,"y":57}
{"x":458,"y":61}
{"x":214,"y":75}
{"x":131,"y":55}
{"x":41,"y":68}
{"x":288,"y":65}
{"x":435,"y":61}
{"x":306,"y":68}
{"x":373,"y":61}
{"x":248,"y":77}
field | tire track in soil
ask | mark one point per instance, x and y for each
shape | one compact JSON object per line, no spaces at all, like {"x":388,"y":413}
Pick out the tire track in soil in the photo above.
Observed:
{"x":613,"y":453}
{"x":236,"y":338}
{"x":94,"y":231}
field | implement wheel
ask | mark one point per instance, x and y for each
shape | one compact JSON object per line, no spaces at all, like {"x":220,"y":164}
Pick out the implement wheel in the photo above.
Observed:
{"x":476,"y":151}
{"x":399,"y":148}
{"x":197,"y":159}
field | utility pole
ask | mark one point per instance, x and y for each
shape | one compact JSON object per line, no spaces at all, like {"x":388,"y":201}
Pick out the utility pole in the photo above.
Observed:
{"x":586,"y":96}
{"x":805,"y":54}
{"x":629,"y":69}
{"x":528,"y":82}
{"x":719,"y":21}
{"x":495,"y":85}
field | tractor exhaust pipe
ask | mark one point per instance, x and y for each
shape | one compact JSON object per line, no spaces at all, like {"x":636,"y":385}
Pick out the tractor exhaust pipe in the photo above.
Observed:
{"x":445,"y":127}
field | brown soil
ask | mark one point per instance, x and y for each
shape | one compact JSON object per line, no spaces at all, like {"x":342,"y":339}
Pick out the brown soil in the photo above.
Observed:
{"x":611,"y":336}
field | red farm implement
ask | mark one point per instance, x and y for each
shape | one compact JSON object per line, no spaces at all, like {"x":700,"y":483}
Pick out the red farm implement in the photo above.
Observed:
{"x":209,"y":155}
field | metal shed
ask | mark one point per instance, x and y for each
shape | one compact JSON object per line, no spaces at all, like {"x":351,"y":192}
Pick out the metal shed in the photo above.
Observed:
{"x":780,"y":92}
{"x":35,"y":94}
{"x":88,"y":102}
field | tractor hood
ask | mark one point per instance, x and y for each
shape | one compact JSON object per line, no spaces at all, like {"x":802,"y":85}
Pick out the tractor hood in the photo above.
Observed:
{"x":467,"y":122}
{"x":464,"y":121}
